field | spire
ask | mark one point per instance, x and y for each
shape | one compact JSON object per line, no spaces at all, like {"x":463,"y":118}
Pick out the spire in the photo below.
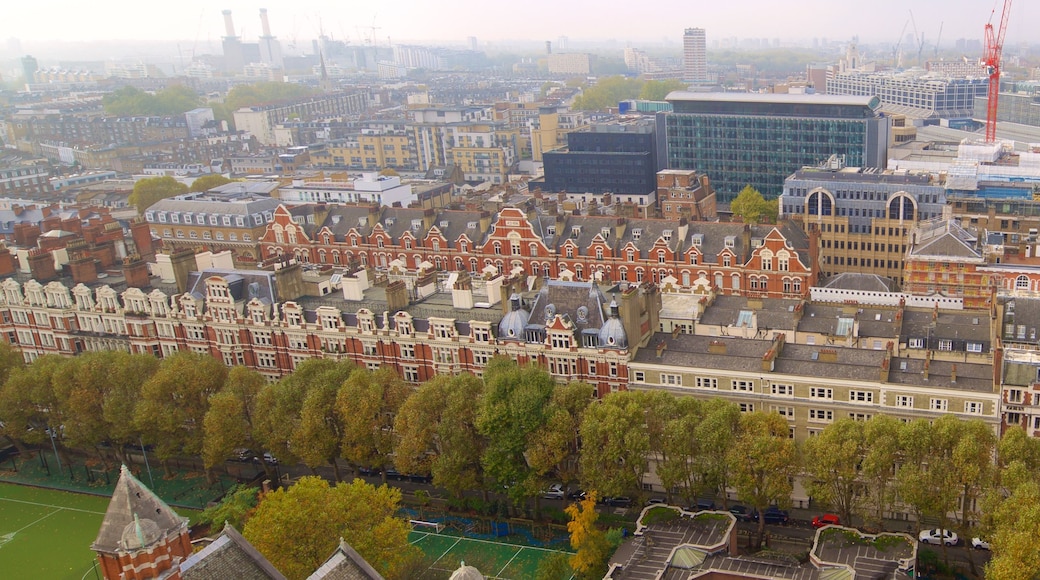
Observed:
{"x":130,"y":498}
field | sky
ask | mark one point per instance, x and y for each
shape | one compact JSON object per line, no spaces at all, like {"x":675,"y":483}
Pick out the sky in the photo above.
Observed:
{"x":199,"y":22}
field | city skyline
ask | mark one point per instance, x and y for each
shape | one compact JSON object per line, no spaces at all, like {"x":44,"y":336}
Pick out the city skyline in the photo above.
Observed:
{"x":199,"y":24}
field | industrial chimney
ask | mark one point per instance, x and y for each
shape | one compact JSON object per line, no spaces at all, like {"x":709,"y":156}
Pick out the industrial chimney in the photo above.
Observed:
{"x":229,"y":25}
{"x":264,"y":23}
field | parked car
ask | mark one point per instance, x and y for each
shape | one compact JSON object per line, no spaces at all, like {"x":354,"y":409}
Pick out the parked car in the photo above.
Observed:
{"x":772,"y":515}
{"x":703,"y":505}
{"x":578,"y":495}
{"x":555,"y":491}
{"x":656,"y":501}
{"x":979,"y":544}
{"x":242,"y":454}
{"x":937,"y":536}
{"x":826,"y":520}
{"x":270,"y":459}
{"x":619,"y":501}
{"x":740,"y":512}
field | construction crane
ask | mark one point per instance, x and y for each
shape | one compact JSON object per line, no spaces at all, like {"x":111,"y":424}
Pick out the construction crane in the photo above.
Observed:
{"x":918,"y":38}
{"x":935,"y":55}
{"x":991,"y":60}
{"x":897,"y":60}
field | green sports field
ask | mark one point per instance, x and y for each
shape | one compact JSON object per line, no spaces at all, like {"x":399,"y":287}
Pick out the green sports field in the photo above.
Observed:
{"x":494,"y":559}
{"x":47,"y":534}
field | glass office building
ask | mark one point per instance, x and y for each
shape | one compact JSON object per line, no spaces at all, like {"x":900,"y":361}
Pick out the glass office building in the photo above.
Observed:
{"x":740,"y":139}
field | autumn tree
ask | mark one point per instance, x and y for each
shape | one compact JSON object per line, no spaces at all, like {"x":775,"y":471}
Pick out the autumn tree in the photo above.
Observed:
{"x":512,"y":410}
{"x":752,"y":208}
{"x":615,"y":445}
{"x":878,"y":470}
{"x":367,"y":404}
{"x":174,"y":401}
{"x":555,"y":448}
{"x":592,"y":549}
{"x":208,"y":182}
{"x":234,"y":508}
{"x":715,"y":435}
{"x":29,"y":404}
{"x":832,"y":462}
{"x":658,"y":90}
{"x":678,"y":465}
{"x":763,"y":461}
{"x":437,"y":434}
{"x":131,"y":101}
{"x":1012,"y":521}
{"x":150,"y":190}
{"x":318,"y":435}
{"x":607,"y":92}
{"x":228,"y":424}
{"x":297,"y":528}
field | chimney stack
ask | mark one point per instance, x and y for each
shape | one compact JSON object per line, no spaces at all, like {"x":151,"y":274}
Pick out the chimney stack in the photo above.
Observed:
{"x":264,"y":23}
{"x":229,"y":25}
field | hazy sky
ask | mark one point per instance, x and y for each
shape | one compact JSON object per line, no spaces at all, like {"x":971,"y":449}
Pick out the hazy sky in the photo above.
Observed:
{"x":626,"y":22}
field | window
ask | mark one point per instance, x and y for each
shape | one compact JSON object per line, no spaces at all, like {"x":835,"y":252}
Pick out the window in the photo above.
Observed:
{"x":411,"y":374}
{"x":905,"y":401}
{"x":265,"y":360}
{"x":860,"y":416}
{"x":747,"y":407}
{"x":743,"y":386}
{"x":916,"y":343}
{"x":786,"y":412}
{"x":821,"y":415}
{"x":670,"y":379}
{"x":821,"y":393}
{"x":707,"y":383}
{"x":973,"y":407}
{"x":780,"y":389}
{"x":938,"y":404}
{"x":974,"y":347}
{"x":861,"y":396}
{"x":1014,"y":395}
{"x":946,"y":345}
{"x":639,"y":376}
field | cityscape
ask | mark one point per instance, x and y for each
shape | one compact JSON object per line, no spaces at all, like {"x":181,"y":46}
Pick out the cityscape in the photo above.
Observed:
{"x":310,"y":292}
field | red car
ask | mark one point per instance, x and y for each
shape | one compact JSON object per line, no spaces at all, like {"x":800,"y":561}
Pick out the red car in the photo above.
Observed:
{"x":826,"y":520}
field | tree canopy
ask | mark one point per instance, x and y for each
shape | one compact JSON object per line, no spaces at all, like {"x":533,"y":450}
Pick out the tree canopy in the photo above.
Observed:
{"x":173,"y":100}
{"x":208,"y":182}
{"x":607,"y":92}
{"x":150,"y":190}
{"x":752,"y":208}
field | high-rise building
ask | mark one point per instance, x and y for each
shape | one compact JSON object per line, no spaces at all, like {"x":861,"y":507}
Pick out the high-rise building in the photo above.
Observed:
{"x":695,"y":56}
{"x":760,"y":139}
{"x":29,"y":68}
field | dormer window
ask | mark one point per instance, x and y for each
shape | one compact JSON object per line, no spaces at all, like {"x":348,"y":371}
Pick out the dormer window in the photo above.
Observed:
{"x":575,"y":231}
{"x":731,"y":241}
{"x":605,"y":232}
{"x":697,"y":240}
{"x":416,"y":225}
{"x":667,"y":235}
{"x":637,"y":233}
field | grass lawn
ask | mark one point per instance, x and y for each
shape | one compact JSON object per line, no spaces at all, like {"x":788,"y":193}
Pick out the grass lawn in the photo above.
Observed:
{"x":46,"y":534}
{"x":493,"y":559}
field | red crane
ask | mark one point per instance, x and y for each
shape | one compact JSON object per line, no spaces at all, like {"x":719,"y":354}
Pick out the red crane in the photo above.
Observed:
{"x":991,"y":60}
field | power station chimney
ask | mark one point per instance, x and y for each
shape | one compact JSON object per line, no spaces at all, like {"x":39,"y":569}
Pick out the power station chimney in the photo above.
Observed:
{"x":229,"y":25}
{"x":548,"y":46}
{"x":264,"y":23}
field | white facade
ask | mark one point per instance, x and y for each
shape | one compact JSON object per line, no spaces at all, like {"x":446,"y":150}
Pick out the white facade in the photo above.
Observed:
{"x":695,"y":56}
{"x":369,"y":188}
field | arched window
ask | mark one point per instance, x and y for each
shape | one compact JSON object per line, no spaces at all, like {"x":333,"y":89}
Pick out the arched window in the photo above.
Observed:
{"x":819,"y":203}
{"x":1022,"y":282}
{"x":735,"y":281}
{"x":901,"y":207}
{"x":685,"y":278}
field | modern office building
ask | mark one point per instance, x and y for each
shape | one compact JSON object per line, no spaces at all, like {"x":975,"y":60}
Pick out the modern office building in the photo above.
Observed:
{"x":760,"y":139}
{"x":1020,"y":108}
{"x":922,"y":96}
{"x":695,"y":56}
{"x":610,"y":158}
{"x":862,"y":215}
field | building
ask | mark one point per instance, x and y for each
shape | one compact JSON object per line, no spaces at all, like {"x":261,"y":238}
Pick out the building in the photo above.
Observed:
{"x":1020,"y":108}
{"x":685,"y":194}
{"x":618,"y":158}
{"x":467,"y":137}
{"x":573,"y":63}
{"x":695,"y":56}
{"x":760,"y":139}
{"x":918,"y":95}
{"x":945,"y":259}
{"x":25,"y":180}
{"x":369,"y":188}
{"x":218,"y":220}
{"x":260,"y":122}
{"x":863,"y":215}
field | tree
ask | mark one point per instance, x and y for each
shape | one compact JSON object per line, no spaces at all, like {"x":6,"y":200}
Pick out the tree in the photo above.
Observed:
{"x":589,"y":542}
{"x":297,"y":528}
{"x":678,"y":466}
{"x":235,"y":508}
{"x":512,"y":410}
{"x":658,"y":90}
{"x":763,"y":461}
{"x":832,"y":463}
{"x":555,"y":448}
{"x":174,"y":401}
{"x":607,"y":93}
{"x":317,"y":437}
{"x":752,"y":208}
{"x":883,"y":450}
{"x":615,"y":445}
{"x":129,"y":101}
{"x":367,"y":404}
{"x":1015,"y":556}
{"x":715,"y":435}
{"x":29,"y":404}
{"x":208,"y":182}
{"x":228,"y":424}
{"x":150,"y":190}
{"x":437,"y":434}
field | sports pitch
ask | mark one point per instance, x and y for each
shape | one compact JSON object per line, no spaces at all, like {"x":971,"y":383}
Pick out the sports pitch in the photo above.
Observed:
{"x":47,"y":534}
{"x":495,"y":560}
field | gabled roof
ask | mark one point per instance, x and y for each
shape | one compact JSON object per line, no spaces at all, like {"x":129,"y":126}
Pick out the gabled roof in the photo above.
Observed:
{"x":945,"y":239}
{"x":132,"y":506}
{"x":345,"y":564}
{"x":229,"y":556}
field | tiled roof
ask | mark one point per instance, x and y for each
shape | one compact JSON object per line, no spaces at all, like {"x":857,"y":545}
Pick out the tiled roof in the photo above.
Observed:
{"x":229,"y":556}
{"x":132,"y":502}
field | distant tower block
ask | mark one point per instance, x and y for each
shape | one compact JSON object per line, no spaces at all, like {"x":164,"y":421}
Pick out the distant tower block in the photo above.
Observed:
{"x":548,"y":47}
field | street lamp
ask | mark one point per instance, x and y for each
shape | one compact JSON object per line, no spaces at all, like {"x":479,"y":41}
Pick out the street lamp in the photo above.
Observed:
{"x":54,"y":446}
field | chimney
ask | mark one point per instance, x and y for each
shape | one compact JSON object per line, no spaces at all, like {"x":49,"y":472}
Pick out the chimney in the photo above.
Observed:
{"x":41,"y":266}
{"x":953,"y":374}
{"x":828,"y":355}
{"x":105,"y":254}
{"x":927,"y":364}
{"x":183,"y":263}
{"x":396,"y":296}
{"x":263,"y":22}
{"x":998,"y":367}
{"x":84,"y":270}
{"x":135,"y":270}
{"x":661,"y":347}
{"x":288,"y":282}
{"x":229,"y":25}
{"x":716,"y":347}
{"x":8,"y":263}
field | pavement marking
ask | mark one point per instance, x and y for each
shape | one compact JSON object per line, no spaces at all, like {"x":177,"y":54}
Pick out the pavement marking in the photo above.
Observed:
{"x":8,"y":537}
{"x":47,"y":505}
{"x":509,"y":562}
